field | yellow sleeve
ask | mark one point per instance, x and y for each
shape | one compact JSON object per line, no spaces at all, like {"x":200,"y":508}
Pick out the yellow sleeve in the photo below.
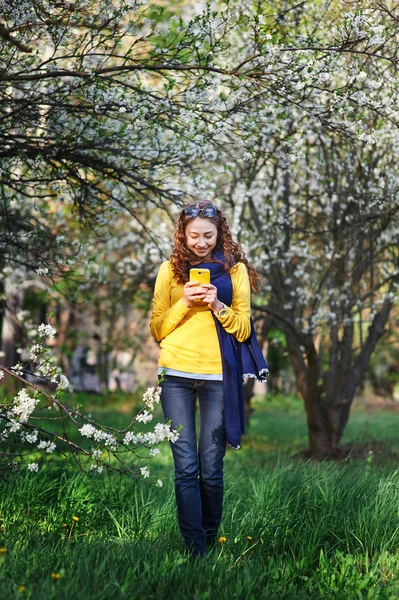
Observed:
{"x":237,"y":320}
{"x":165,"y":315}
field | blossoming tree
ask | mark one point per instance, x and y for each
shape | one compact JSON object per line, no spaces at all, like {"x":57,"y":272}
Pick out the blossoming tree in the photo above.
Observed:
{"x":315,"y":198}
{"x":112,"y":108}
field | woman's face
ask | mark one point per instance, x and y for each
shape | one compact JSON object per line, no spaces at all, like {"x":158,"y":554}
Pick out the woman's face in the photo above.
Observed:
{"x":201,"y":237}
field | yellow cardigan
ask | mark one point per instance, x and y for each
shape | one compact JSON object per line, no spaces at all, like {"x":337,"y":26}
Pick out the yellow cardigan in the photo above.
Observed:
{"x":188,"y":336}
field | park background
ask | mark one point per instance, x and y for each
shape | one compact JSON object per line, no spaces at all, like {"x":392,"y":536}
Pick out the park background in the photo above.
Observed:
{"x":114,"y":114}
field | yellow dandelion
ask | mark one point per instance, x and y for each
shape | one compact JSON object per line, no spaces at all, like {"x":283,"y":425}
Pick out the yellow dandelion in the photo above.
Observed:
{"x":3,"y":550}
{"x":64,"y":525}
{"x":249,"y":537}
{"x":75,"y":518}
{"x":222,"y":539}
{"x":22,"y":588}
{"x":55,"y":576}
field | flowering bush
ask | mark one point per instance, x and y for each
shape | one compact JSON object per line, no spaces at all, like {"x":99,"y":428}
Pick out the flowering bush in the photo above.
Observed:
{"x":110,"y":448}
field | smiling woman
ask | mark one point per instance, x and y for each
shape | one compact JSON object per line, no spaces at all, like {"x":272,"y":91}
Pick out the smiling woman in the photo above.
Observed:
{"x":201,"y":237}
{"x":207,"y":343}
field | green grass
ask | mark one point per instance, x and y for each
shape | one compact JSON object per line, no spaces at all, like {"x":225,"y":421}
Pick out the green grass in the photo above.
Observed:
{"x":318,"y":530}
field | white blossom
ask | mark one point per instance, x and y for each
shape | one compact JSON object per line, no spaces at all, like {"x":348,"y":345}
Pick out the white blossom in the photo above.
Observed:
{"x":24,"y":405}
{"x":145,"y":471}
{"x":162,"y":431}
{"x":144,"y":417}
{"x":46,"y":330}
{"x":63,"y":382}
{"x":31,"y":437}
{"x":152,"y":395}
{"x":35,"y":350}
{"x":97,"y":468}
{"x":87,"y":430}
{"x":33,"y":467}
{"x":14,"y":426}
{"x":46,"y":445}
{"x":131,"y":438}
{"x":18,"y":369}
{"x":107,"y":438}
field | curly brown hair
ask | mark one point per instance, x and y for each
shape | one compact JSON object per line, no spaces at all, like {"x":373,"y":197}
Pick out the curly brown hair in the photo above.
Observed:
{"x":182,"y":257}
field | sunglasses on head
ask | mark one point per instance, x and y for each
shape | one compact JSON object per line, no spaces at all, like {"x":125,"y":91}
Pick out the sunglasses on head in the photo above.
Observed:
{"x":206,"y":211}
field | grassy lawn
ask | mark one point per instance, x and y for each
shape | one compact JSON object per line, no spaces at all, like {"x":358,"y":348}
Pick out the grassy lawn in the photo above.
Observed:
{"x":294,"y":528}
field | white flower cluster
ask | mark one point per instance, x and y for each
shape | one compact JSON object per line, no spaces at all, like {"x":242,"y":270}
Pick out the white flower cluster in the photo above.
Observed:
{"x":35,"y":350}
{"x":46,"y":330}
{"x":31,"y":438}
{"x":23,"y":407}
{"x":48,"y":368}
{"x":96,"y":468}
{"x":1,"y":374}
{"x":87,"y":430}
{"x":63,"y":382}
{"x":145,"y":471}
{"x":46,"y":445}
{"x":33,"y":467}
{"x":144,"y":417}
{"x":99,"y":436}
{"x":152,"y":396}
{"x":18,"y":369}
{"x":162,"y":431}
{"x":42,"y":271}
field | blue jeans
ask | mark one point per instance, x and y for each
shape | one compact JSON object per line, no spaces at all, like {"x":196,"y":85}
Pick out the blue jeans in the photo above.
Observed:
{"x":198,"y":472}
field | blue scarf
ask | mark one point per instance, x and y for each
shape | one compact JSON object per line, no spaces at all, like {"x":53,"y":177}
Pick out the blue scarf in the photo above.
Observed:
{"x":239,"y":359}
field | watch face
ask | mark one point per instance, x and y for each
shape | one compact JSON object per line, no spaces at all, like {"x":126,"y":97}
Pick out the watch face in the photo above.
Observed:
{"x":223,"y":312}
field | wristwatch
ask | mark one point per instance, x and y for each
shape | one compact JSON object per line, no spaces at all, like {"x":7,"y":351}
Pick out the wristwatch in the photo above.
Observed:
{"x":222,"y":312}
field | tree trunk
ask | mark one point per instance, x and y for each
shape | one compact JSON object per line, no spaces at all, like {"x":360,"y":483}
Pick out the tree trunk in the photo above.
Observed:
{"x":320,"y":431}
{"x":323,"y":414}
{"x":328,"y":414}
{"x":9,"y":333}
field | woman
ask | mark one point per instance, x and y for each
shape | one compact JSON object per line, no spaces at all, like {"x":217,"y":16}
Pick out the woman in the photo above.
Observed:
{"x":202,"y":330}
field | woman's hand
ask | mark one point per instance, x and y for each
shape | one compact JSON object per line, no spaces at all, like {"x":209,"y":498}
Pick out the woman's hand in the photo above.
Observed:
{"x":192,"y":291}
{"x":211,"y":298}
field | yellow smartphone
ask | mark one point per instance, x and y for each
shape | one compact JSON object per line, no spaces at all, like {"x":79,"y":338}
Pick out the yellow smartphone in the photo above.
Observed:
{"x":201,"y":275}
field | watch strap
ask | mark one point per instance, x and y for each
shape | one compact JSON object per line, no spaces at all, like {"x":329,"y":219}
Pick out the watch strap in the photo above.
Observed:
{"x":223,"y":311}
